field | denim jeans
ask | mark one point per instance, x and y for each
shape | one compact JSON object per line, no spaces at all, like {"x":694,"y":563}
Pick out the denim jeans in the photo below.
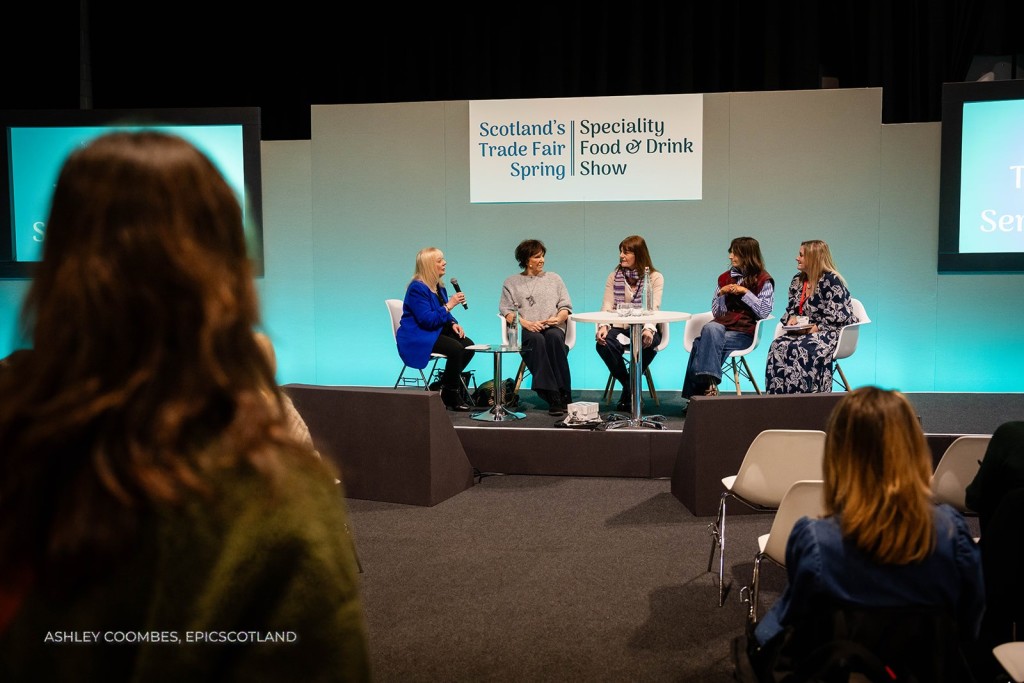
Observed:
{"x":710,"y":350}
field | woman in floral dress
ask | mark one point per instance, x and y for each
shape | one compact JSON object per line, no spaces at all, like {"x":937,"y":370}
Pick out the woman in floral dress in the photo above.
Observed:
{"x":800,"y":361}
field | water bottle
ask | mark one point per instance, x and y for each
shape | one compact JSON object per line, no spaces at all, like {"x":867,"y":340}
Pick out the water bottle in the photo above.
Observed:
{"x":648,"y":302}
{"x":513,"y":330}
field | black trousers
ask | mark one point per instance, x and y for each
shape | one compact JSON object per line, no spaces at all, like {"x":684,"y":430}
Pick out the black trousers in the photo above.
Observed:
{"x":458,"y":355}
{"x":611,"y":353}
{"x":548,"y":360}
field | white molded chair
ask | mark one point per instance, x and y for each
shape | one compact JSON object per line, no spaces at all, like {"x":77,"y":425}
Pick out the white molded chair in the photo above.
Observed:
{"x":804,"y":498}
{"x":693,"y":329}
{"x":774,"y":460}
{"x":570,"y":341}
{"x":395,"y":310}
{"x":957,"y":468}
{"x":1011,"y":657}
{"x":848,"y":337}
{"x":662,"y":345}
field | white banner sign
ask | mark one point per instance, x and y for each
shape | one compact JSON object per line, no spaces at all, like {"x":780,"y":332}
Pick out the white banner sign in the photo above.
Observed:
{"x":586,"y":149}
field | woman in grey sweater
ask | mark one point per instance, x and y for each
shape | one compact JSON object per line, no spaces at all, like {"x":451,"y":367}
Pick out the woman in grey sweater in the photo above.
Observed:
{"x":544,"y":307}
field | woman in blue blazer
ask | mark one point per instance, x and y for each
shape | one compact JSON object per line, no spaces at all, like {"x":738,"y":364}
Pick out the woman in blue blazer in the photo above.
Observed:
{"x":428,"y":326}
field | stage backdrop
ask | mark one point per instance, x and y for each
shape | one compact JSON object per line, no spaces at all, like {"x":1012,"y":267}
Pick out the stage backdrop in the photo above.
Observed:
{"x":346,"y":211}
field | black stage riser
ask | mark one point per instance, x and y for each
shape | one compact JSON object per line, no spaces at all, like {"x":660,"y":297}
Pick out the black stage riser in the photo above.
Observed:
{"x":400,"y":445}
{"x":390,"y":445}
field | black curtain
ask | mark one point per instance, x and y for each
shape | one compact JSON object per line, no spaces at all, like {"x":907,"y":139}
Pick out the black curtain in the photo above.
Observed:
{"x":285,"y":57}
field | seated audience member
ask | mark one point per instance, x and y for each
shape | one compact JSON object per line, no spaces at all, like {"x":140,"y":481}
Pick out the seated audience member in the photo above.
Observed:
{"x":1000,"y":471}
{"x":800,"y":361}
{"x":625,"y":285}
{"x":152,"y":499}
{"x":882,"y":543}
{"x":997,"y":495}
{"x":544,"y":309}
{"x":744,"y":294}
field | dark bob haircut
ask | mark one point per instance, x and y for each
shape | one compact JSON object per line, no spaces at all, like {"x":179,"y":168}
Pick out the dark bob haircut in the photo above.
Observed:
{"x":528,"y":248}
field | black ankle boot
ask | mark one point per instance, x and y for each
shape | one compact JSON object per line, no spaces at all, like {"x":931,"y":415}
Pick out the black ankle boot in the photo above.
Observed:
{"x":452,"y":400}
{"x":625,"y":402}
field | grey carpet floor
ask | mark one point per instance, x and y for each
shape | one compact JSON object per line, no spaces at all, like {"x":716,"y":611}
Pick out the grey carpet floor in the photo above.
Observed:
{"x":527,"y":578}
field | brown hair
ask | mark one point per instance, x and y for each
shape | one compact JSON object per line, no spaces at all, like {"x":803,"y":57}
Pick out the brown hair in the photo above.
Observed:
{"x":636,"y":245}
{"x":748,"y":251}
{"x":144,"y":373}
{"x":877,"y":473}
{"x":527,"y":249}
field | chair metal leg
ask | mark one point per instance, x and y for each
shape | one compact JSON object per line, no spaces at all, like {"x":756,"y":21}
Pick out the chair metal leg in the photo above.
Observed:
{"x":842,"y":378}
{"x":609,"y":385}
{"x":717,"y":530}
{"x":755,"y":586}
{"x":406,"y":381}
{"x":736,"y":375}
{"x":519,"y":377}
{"x":750,"y":376}
{"x":650,"y":386}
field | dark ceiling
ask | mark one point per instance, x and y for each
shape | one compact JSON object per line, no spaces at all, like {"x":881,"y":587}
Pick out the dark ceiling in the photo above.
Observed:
{"x":285,"y":57}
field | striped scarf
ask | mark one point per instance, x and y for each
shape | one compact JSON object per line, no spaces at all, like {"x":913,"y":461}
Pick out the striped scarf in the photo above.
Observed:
{"x":621,"y":277}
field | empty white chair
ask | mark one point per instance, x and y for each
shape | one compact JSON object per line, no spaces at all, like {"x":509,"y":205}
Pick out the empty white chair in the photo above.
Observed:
{"x":804,"y":498}
{"x":694,"y":326}
{"x":957,"y":468}
{"x":775,"y":459}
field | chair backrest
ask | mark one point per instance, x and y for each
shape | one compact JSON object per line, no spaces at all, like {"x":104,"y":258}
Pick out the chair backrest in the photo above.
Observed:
{"x":395,"y":309}
{"x":663,"y":344}
{"x":774,"y":460}
{"x":850,"y":334}
{"x":694,"y":325}
{"x":805,"y":498}
{"x":1011,"y":657}
{"x":957,"y":468}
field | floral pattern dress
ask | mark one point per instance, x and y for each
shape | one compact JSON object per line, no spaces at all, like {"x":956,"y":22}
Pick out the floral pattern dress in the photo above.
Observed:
{"x":802,"y":364}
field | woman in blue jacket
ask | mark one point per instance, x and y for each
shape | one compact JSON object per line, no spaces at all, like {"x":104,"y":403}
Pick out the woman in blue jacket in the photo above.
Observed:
{"x":428,"y":326}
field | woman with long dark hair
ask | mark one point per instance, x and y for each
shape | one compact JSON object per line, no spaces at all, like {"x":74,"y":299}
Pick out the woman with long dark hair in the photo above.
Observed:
{"x":152,"y":497}
{"x":744,"y":294}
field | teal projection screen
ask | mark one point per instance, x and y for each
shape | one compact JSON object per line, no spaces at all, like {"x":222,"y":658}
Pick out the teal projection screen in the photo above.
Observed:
{"x":35,"y":144}
{"x":981,"y":198}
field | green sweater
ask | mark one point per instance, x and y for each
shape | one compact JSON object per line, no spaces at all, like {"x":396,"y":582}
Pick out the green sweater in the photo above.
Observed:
{"x":264,"y":586}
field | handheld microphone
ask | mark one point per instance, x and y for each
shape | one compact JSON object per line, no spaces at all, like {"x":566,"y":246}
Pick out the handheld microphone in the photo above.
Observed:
{"x":458,"y":290}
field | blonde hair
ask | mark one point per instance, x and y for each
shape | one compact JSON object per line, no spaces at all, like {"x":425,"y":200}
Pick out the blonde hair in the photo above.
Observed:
{"x":818,"y":261}
{"x":877,"y":473}
{"x":426,"y":268}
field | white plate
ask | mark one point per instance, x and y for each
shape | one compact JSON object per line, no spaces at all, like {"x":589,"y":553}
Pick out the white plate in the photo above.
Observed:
{"x":478,"y":347}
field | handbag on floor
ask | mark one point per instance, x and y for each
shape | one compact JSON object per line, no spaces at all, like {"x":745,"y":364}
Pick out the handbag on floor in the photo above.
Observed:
{"x":484,"y":395}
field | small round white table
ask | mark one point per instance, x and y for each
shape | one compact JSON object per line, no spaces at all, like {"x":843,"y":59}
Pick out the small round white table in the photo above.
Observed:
{"x":636,"y":328}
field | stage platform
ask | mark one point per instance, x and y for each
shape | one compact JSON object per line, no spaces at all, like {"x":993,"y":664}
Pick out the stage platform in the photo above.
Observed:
{"x":694,"y":450}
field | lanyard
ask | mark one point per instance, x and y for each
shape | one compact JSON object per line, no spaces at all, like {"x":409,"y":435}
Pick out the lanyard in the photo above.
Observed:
{"x":803,"y":298}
